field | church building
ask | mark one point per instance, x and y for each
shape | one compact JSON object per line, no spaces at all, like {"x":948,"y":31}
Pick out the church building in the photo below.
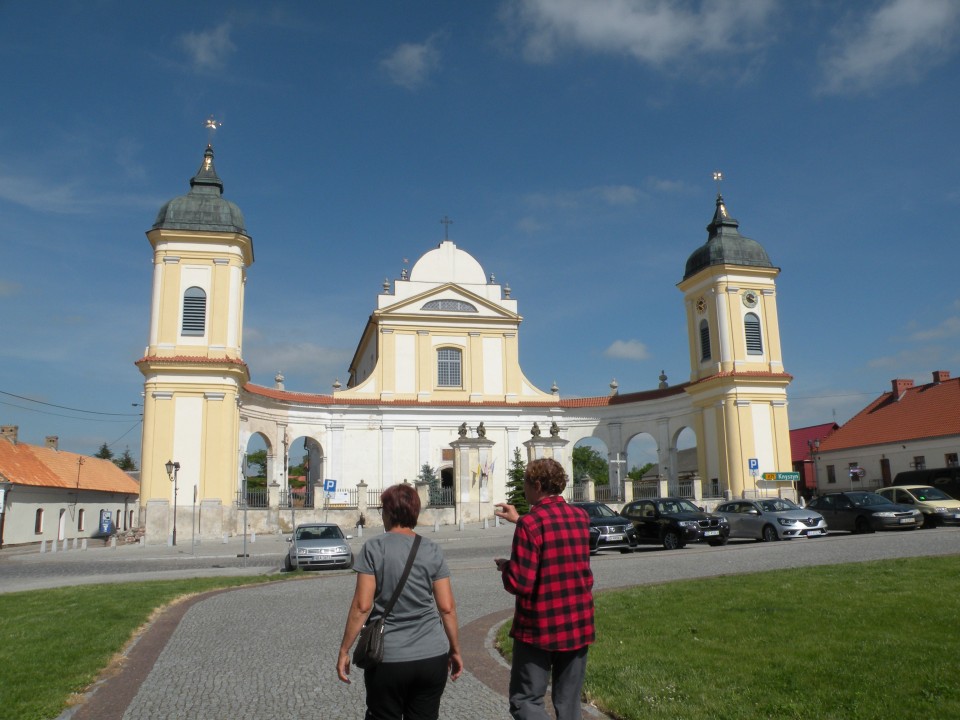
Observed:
{"x":435,"y":380}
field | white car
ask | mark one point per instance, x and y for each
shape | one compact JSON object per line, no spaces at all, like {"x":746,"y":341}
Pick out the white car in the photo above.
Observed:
{"x":317,"y":545}
{"x":771,"y":519}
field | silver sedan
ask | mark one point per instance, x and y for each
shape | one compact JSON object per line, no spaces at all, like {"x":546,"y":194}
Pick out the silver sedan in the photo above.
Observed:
{"x":317,"y":545}
{"x":771,"y":519}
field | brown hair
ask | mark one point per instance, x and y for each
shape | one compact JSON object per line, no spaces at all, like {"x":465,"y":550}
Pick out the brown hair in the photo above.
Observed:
{"x":549,"y":473}
{"x":401,"y":505}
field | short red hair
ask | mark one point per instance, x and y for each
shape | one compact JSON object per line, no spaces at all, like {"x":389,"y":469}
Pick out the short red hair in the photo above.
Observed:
{"x":401,"y":505}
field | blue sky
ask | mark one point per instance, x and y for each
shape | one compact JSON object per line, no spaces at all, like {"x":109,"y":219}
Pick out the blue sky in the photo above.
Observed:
{"x":572,"y":142}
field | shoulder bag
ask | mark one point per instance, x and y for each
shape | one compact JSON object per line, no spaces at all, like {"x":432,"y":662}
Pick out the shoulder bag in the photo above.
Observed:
{"x":369,"y":651}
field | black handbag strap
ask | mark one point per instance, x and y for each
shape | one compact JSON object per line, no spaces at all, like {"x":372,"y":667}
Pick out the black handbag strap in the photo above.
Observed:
{"x":403,"y":578}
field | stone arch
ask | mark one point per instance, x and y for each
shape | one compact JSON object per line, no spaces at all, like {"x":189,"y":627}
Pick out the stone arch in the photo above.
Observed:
{"x":306,"y":468}
{"x":254,"y":476}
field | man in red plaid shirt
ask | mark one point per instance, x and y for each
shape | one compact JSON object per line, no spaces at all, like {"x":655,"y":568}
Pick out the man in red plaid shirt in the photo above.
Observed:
{"x":549,"y":572}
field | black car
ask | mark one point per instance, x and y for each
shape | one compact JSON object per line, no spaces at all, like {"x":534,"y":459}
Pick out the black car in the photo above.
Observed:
{"x":608,"y":531}
{"x":865,"y":512}
{"x":674,"y":522}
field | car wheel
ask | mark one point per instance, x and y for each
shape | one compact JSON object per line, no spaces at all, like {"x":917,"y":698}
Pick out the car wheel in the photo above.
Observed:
{"x":930,"y":522}
{"x":770,"y":533}
{"x":672,"y":540}
{"x":862,"y":526}
{"x":718,"y":542}
{"x":287,"y":565}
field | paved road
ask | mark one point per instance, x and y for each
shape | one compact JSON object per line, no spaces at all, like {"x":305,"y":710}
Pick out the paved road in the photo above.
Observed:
{"x":268,"y":651}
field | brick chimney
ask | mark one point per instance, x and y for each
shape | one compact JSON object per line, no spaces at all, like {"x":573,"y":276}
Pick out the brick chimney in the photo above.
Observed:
{"x":900,"y":387}
{"x":940,"y":376}
{"x":52,"y":442}
{"x":9,"y":432}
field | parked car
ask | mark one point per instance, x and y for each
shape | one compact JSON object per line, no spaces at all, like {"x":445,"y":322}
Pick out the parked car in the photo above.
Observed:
{"x":863,"y":512}
{"x":317,"y":545}
{"x":771,"y":519}
{"x":937,"y":507}
{"x":608,"y":531}
{"x":946,"y":479}
{"x":674,"y":522}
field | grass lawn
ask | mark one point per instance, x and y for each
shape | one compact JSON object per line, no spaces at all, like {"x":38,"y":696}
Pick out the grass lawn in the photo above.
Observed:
{"x":843,"y":642}
{"x":54,"y":643}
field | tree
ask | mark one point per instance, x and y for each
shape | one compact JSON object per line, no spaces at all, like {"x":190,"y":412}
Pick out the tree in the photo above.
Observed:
{"x":125,"y":462}
{"x":515,"y":495}
{"x":637,"y":473}
{"x":104,"y":453}
{"x":258,"y":458}
{"x":429,"y":475}
{"x":587,"y":461}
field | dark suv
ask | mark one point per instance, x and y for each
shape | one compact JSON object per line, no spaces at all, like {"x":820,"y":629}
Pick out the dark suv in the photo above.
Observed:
{"x":674,"y":522}
{"x":608,"y":531}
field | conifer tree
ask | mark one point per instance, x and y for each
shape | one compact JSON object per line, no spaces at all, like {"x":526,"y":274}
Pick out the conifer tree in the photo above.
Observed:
{"x":429,"y":475}
{"x":515,"y":494}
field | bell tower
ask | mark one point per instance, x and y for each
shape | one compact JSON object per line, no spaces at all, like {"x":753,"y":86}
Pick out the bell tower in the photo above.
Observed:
{"x":193,"y":368}
{"x":737,"y":380}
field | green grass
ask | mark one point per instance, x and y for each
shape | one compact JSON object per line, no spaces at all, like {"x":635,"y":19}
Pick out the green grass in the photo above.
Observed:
{"x":845,"y":642}
{"x":54,"y":643}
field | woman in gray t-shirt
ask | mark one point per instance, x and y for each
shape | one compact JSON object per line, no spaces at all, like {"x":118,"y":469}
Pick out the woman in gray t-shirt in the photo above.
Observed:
{"x":421,"y":638}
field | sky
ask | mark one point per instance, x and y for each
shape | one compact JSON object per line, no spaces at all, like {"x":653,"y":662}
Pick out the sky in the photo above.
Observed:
{"x":572,"y":142}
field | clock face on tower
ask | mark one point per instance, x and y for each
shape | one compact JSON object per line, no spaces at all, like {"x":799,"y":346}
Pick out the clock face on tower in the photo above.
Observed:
{"x":750,"y":299}
{"x":701,"y":305}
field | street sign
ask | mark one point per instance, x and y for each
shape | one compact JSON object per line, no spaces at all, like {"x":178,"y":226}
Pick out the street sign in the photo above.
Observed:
{"x":753,"y":463}
{"x":329,"y":486}
{"x":782,"y":476}
{"x":769,"y":476}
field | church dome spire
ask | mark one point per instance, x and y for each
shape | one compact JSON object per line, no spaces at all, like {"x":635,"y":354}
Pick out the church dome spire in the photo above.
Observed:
{"x":725,"y":245}
{"x":204,"y":207}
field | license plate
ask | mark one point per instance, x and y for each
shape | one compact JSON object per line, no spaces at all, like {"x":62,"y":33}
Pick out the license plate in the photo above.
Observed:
{"x":817,"y":532}
{"x":907,"y":521}
{"x":708,"y":533}
{"x":614,"y":538}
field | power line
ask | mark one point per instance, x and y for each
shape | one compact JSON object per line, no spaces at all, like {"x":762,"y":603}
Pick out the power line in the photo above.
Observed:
{"x":64,"y":407}
{"x":71,"y":417}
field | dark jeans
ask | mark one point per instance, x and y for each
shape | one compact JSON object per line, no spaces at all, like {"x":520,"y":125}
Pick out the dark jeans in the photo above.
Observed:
{"x":406,"y":690}
{"x":532,"y":668}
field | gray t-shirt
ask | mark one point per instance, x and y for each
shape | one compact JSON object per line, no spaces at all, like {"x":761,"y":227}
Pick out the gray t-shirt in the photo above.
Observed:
{"x":413,"y":630}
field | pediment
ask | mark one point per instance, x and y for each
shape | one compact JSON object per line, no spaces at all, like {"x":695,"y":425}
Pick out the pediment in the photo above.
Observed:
{"x":450,"y":301}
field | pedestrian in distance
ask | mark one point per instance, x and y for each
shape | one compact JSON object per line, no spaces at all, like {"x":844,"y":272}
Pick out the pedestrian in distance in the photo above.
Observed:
{"x":421,"y":642}
{"x":549,"y":573}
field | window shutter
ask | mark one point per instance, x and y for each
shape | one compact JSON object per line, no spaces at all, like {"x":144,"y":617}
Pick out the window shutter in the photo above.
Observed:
{"x":704,"y":340}
{"x":194,"y":312}
{"x":751,"y":326}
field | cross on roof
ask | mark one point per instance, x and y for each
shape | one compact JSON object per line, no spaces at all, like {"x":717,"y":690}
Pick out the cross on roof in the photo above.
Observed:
{"x":446,"y":222}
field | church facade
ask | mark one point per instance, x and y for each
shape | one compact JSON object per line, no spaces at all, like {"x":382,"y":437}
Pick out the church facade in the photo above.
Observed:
{"x":436,"y":370}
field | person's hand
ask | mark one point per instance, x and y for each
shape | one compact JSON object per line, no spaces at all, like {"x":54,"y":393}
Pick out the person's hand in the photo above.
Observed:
{"x":456,"y":665}
{"x":343,"y":666}
{"x":501,"y":562}
{"x":507,"y":512}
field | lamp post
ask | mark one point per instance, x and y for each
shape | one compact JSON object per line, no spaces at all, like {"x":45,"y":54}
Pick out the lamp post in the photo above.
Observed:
{"x":814,"y":446}
{"x":5,"y":486}
{"x":172,"y":469}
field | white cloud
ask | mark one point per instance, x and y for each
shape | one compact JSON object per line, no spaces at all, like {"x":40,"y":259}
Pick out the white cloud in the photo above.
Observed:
{"x":410,"y":64}
{"x":610,"y":195}
{"x":947,"y":329}
{"x":627,"y":350}
{"x":210,"y":49}
{"x":652,"y":31}
{"x":307,"y":366}
{"x":895,"y":43}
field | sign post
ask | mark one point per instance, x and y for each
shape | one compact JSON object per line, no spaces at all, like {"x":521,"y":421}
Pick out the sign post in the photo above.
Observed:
{"x":329,"y":488}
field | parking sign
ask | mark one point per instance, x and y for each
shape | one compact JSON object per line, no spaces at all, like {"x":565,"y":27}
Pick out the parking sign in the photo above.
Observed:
{"x":753,"y":464}
{"x":329,"y":486}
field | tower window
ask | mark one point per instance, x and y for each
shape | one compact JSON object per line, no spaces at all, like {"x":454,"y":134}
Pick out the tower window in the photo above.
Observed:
{"x":751,"y":326}
{"x":38,"y":522}
{"x":704,"y":340}
{"x":448,"y":367}
{"x":194,"y":312}
{"x":450,"y":305}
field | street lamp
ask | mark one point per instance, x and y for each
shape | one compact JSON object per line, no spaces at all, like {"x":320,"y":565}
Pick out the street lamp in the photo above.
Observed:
{"x":172,"y":469}
{"x":814,"y":446}
{"x":5,"y":486}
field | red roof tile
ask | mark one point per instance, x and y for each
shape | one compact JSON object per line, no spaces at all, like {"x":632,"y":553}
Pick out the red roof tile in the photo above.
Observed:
{"x":24,"y":464}
{"x":799,"y":450}
{"x":920,"y":411}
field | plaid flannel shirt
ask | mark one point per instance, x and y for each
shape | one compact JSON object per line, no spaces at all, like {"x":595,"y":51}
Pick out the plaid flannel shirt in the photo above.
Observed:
{"x":549,"y":572}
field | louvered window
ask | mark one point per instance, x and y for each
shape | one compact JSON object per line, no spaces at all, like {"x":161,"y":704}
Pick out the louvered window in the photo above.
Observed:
{"x":751,"y":326}
{"x":448,"y":367}
{"x":704,"y":340}
{"x":194,"y":312}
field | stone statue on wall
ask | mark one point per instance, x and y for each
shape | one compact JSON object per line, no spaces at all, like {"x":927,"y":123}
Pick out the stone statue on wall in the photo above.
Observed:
{"x":554,"y":429}
{"x":462,"y":432}
{"x":481,"y":430}
{"x":535,"y":430}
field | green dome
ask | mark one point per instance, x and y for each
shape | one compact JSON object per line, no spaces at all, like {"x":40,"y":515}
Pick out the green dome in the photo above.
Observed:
{"x":203,"y":208}
{"x":726,"y":246}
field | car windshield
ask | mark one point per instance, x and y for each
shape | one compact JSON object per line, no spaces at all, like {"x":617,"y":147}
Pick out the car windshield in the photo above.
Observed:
{"x":599,"y":510}
{"x":867,"y":499}
{"x":777,"y":505}
{"x":322,"y":532}
{"x":929,"y":493}
{"x":676,"y":505}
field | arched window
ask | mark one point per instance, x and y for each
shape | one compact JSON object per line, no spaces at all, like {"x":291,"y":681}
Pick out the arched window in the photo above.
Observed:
{"x":194,"y":312}
{"x":449,"y":305}
{"x":81,"y":520}
{"x":38,"y":522}
{"x":751,"y":327}
{"x":448,"y":367}
{"x":704,"y":340}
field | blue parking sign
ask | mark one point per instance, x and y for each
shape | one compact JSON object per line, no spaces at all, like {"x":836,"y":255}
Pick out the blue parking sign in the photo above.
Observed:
{"x":753,"y":464}
{"x":329,"y":486}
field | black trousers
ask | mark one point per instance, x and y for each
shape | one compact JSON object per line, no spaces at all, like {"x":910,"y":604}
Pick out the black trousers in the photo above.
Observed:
{"x":406,"y":690}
